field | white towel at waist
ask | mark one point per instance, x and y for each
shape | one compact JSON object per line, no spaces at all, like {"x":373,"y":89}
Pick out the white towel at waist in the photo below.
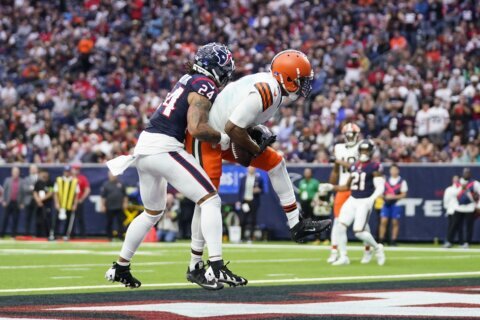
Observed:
{"x":119,"y":164}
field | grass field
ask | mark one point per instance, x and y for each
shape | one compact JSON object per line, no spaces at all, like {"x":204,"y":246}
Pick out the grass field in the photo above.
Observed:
{"x":67,"y":268}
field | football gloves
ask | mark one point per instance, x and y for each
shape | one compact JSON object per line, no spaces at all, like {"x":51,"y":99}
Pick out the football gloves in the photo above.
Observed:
{"x":262,"y":136}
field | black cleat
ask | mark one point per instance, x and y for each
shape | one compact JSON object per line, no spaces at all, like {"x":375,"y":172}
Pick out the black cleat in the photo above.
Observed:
{"x":198,"y":276}
{"x":307,"y":227}
{"x":118,"y":273}
{"x":220,"y":271}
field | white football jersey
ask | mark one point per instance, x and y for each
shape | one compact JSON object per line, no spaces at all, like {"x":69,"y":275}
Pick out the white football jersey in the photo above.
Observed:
{"x":348,"y":154}
{"x":249,"y":101}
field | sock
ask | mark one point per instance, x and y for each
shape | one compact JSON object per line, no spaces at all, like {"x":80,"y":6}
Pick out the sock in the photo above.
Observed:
{"x":342,"y":239}
{"x":198,"y":242}
{"x":333,"y":236}
{"x":212,"y":228}
{"x":367,"y":228}
{"x":367,"y":237}
{"x":136,"y":232}
{"x":123,"y":264}
{"x":284,"y":189}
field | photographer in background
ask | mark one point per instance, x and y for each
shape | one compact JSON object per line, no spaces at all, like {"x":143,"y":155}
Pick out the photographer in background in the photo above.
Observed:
{"x":251,"y":187}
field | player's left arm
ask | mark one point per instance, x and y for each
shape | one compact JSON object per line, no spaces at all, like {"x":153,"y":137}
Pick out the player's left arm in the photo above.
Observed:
{"x":197,"y":119}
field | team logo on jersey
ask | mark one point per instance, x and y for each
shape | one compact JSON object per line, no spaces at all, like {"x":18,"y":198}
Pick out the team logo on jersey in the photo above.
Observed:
{"x":224,"y":56}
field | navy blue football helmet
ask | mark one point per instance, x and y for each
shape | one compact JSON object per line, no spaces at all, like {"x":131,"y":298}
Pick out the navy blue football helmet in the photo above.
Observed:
{"x":365,"y":149}
{"x":215,"y":61}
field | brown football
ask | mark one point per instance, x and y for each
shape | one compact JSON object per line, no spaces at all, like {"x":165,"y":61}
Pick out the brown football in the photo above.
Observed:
{"x":242,"y":156}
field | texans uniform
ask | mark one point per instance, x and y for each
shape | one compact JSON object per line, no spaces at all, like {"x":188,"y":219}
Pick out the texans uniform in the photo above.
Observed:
{"x":160,"y":150}
{"x":358,"y":206}
{"x":348,"y":154}
{"x":264,"y":99}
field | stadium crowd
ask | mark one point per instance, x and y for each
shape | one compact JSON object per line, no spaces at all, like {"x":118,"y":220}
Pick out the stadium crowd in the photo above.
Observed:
{"x":79,"y":79}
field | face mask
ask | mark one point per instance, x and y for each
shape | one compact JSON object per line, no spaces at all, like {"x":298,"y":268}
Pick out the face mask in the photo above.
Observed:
{"x":363,"y":157}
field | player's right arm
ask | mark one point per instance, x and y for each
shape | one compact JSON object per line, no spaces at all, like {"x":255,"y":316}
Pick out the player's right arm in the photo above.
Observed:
{"x":197,"y":119}
{"x":243,"y":117}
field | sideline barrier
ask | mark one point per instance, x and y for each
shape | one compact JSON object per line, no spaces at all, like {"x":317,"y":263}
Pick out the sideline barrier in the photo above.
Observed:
{"x":424,"y":218}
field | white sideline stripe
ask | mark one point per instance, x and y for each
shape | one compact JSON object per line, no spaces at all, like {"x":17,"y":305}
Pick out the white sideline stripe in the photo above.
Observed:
{"x":264,"y":281}
{"x":72,"y":251}
{"x":293,"y":246}
{"x":66,"y":277}
{"x":81,"y":267}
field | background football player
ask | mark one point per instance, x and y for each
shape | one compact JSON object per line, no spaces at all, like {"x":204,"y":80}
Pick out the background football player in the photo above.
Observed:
{"x":160,"y":158}
{"x":345,"y":154}
{"x":241,"y":106}
{"x":366,"y":183}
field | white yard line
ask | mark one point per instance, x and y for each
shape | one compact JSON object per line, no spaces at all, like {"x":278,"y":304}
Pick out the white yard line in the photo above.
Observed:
{"x":69,"y":251}
{"x":66,"y":277}
{"x":263,"y":281}
{"x":71,"y":267}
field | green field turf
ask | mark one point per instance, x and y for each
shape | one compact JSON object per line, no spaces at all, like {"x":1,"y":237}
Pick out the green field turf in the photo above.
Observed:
{"x":44,"y":267}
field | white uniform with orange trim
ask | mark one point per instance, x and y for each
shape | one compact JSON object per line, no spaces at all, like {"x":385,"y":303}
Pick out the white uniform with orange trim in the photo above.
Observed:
{"x":348,"y":154}
{"x":264,"y":98}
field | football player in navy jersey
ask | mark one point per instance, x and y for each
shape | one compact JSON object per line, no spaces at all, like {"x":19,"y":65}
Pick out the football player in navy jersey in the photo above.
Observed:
{"x":160,"y":158}
{"x":366,"y":183}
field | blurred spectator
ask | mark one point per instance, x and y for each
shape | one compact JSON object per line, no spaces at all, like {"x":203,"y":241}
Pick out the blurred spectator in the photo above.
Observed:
{"x":307,"y":188}
{"x":13,"y":200}
{"x":396,"y":188}
{"x":65,"y":192}
{"x":84,"y":192}
{"x":185,"y":216}
{"x":90,"y":73}
{"x":114,"y":202}
{"x":29,"y":201}
{"x":468,"y":193}
{"x":251,"y":188}
{"x":322,"y":204}
{"x":43,"y":197}
{"x":450,"y":203}
{"x":167,"y":227}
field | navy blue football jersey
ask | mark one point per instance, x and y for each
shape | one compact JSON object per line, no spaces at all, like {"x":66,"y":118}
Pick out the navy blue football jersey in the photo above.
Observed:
{"x":170,"y":118}
{"x":362,"y":185}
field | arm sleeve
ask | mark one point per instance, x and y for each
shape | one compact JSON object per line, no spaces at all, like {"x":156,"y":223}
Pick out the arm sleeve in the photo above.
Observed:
{"x":404,"y":186}
{"x":247,"y":111}
{"x":379,"y":183}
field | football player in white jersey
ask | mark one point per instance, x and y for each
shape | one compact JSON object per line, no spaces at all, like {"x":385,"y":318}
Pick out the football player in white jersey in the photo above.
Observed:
{"x":345,"y":155}
{"x":242,"y":105}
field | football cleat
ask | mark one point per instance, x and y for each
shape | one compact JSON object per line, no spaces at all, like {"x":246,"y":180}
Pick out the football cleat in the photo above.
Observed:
{"x":380,"y":254}
{"x":367,"y":257}
{"x":118,"y":273}
{"x":307,"y":227}
{"x":197,"y":276}
{"x":342,"y":261}
{"x":333,"y":256}
{"x":219,"y":271}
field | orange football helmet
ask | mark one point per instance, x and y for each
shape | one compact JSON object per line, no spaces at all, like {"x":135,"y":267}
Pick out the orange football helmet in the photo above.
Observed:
{"x":351,"y":131}
{"x":293,"y":71}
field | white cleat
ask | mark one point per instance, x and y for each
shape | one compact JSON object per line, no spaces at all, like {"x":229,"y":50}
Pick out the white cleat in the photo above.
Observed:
{"x":341,"y":261}
{"x":333,"y":256}
{"x":367,"y":257}
{"x":380,"y":254}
